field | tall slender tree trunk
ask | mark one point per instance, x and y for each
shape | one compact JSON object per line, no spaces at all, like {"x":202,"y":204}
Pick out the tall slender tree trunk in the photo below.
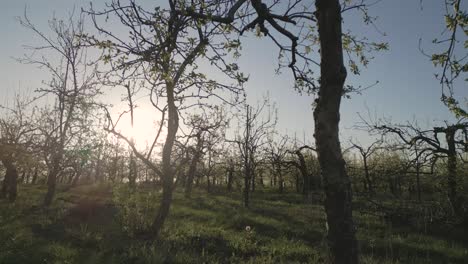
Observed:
{"x":418,"y":176}
{"x":208,"y":183}
{"x":230,"y":177}
{"x":167,"y":169}
{"x":260,"y":178}
{"x":247,"y":187}
{"x":28,"y":177}
{"x":253,"y":180}
{"x":247,"y":159}
{"x":338,"y":196}
{"x":132,"y":175}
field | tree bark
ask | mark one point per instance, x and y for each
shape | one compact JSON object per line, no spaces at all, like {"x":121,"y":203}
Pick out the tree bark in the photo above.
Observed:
{"x":280,"y":177}
{"x":3,"y":194}
{"x":230,"y":177}
{"x":452,"y":173}
{"x":132,"y":175}
{"x":193,"y":167}
{"x":9,"y":186}
{"x":247,"y":160}
{"x":307,"y":183}
{"x":34,"y":178}
{"x":51,"y":185}
{"x":338,"y":196}
{"x":369,"y":183}
{"x":167,"y":170}
{"x":418,"y":176}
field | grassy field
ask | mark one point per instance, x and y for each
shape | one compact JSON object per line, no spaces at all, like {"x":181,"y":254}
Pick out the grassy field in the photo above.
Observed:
{"x":98,"y":224}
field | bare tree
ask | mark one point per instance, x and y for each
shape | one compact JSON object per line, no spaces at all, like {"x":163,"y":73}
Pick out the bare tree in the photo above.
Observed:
{"x":16,"y":138}
{"x":277,"y":152}
{"x":365,"y":153}
{"x":454,"y":140}
{"x":310,"y":181}
{"x":160,"y":55}
{"x":285,"y":25}
{"x":72,"y":86}
{"x":256,"y":123}
{"x":207,"y":131}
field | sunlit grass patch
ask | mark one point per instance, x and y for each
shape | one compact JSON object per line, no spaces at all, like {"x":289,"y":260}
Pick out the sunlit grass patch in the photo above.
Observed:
{"x":208,"y":228}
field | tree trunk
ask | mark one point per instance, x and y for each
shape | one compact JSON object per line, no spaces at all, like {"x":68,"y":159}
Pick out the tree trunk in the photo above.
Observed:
{"x":13,"y":183}
{"x":132,"y":175}
{"x":208,"y":183}
{"x":51,"y":185}
{"x":455,"y":200}
{"x":193,"y":169}
{"x":246,"y":187}
{"x":369,"y":181}
{"x":418,"y":179}
{"x":167,"y":169}
{"x":28,"y":177}
{"x":298,"y":182}
{"x":23,"y":177}
{"x":76,"y":178}
{"x":34,"y":178}
{"x":260,"y":179}
{"x":230,"y":178}
{"x":3,"y":194}
{"x":247,"y":159}
{"x":307,"y":183}
{"x":9,"y":186}
{"x":281,"y":180}
{"x":52,"y":179}
{"x":338,"y":196}
{"x":253,"y":181}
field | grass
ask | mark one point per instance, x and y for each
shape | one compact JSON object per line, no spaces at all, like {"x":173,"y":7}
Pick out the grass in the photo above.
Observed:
{"x":96,"y":224}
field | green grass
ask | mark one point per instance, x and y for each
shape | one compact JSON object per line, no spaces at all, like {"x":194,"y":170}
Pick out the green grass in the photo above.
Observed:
{"x":211,"y":228}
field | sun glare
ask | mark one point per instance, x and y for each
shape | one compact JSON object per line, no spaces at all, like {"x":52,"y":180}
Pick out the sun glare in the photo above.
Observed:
{"x":144,"y":127}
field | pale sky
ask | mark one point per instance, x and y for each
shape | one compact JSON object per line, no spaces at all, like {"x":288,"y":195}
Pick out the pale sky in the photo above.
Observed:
{"x":407,"y":88}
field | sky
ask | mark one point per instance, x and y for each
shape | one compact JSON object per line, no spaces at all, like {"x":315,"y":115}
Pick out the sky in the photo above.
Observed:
{"x":407,"y":89}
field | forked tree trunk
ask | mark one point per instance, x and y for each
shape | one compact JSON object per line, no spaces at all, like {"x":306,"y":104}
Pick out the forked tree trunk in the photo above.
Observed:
{"x":338,"y":196}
